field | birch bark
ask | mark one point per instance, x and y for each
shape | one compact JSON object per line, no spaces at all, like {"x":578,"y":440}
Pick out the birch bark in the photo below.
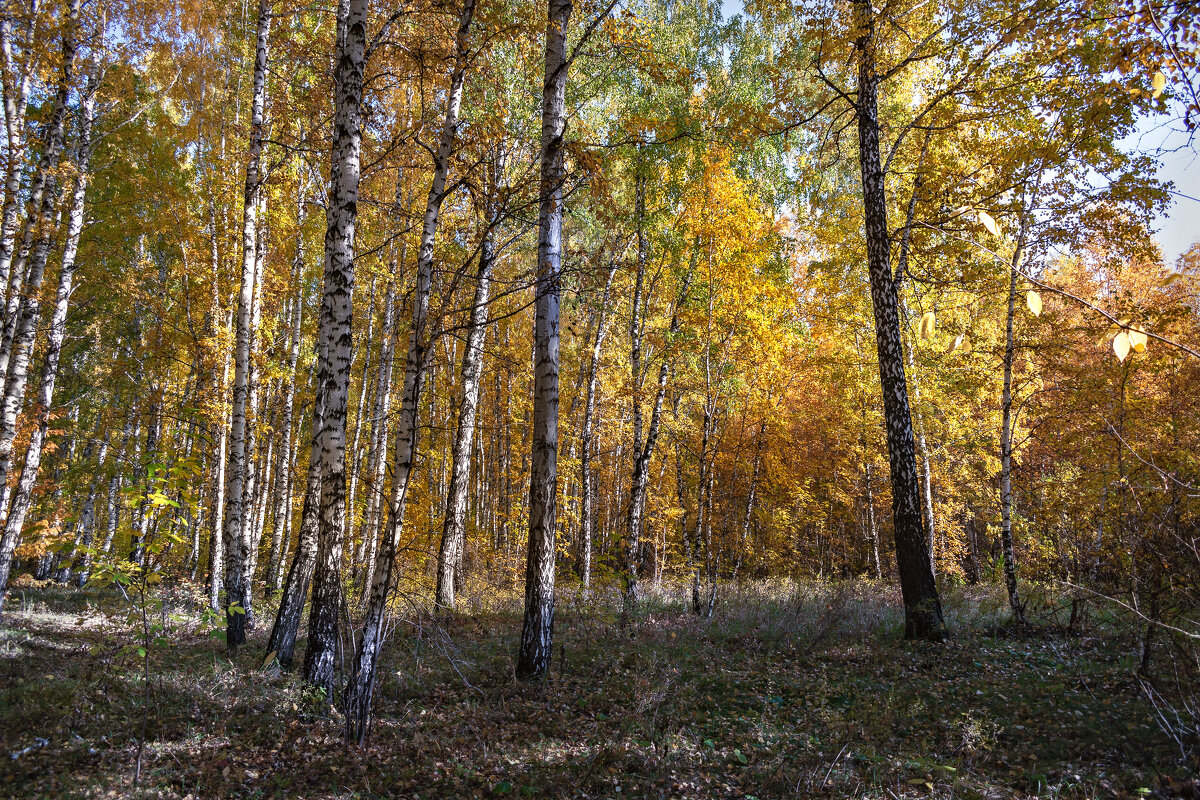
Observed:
{"x":16,"y":351}
{"x":236,"y":513}
{"x":454,"y":529}
{"x":336,"y":341}
{"x":587,"y":488}
{"x":537,"y":631}
{"x":55,"y":335}
{"x":361,"y":684}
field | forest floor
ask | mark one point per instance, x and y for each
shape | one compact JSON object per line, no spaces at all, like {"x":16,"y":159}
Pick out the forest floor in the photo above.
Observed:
{"x":795,"y":691}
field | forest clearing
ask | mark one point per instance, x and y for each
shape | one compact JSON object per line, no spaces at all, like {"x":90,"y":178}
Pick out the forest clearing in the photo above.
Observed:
{"x":600,"y":398}
{"x":788,"y":692}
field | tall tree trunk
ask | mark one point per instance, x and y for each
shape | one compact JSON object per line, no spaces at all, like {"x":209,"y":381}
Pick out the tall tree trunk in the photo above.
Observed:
{"x":454,"y":529}
{"x":55,"y":335}
{"x":16,"y":100}
{"x":537,"y":631}
{"x":377,"y":460}
{"x":587,"y":488}
{"x":17,"y":349}
{"x":872,"y":526}
{"x":922,"y":607}
{"x":1006,"y":424}
{"x":283,"y":477}
{"x":361,"y":684}
{"x":237,"y":545}
{"x":254,"y":496}
{"x":282,"y":641}
{"x":365,"y":385}
{"x":336,"y":335}
{"x":643,"y":452}
{"x":216,"y":561}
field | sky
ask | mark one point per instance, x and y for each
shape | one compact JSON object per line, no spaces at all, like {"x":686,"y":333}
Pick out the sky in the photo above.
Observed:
{"x":1179,"y":228}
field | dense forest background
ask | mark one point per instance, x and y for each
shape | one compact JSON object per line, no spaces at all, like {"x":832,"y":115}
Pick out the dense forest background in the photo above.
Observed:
{"x":327,"y":325}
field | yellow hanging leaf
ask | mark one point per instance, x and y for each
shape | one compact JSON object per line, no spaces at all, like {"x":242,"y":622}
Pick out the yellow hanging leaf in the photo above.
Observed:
{"x":1174,"y":276}
{"x":1138,"y":338}
{"x":927,"y":324}
{"x":1121,"y":345}
{"x":1159,"y":83}
{"x":986,"y":220}
{"x":966,"y":347}
{"x":957,"y":343}
{"x":1034,"y":301}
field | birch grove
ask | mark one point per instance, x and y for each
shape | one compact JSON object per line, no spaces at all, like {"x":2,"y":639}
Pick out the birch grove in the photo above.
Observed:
{"x":309,"y":320}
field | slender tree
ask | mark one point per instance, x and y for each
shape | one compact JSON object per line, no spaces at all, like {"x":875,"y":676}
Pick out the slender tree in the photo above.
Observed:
{"x":237,"y":515}
{"x":922,"y":606}
{"x":537,"y":631}
{"x":360,"y":687}
{"x":450,"y":555}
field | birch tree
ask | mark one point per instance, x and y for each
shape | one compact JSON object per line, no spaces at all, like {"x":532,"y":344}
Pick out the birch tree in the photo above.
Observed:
{"x":361,"y":684}
{"x":56,"y":333}
{"x":335,"y":335}
{"x":454,"y":528}
{"x":237,"y":527}
{"x":537,"y":631}
{"x":922,"y":606}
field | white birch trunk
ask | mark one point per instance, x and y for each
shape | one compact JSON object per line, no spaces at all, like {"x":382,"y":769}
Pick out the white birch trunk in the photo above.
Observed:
{"x":16,"y":351}
{"x":336,"y":340}
{"x":235,"y":523}
{"x":55,"y":335}
{"x":360,"y":686}
{"x":537,"y":630}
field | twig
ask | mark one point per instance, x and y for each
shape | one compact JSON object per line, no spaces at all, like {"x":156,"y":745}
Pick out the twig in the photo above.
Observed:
{"x":1136,"y":612}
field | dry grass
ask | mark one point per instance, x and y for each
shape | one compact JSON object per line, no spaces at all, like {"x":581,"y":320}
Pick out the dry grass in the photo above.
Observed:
{"x":790,"y":690}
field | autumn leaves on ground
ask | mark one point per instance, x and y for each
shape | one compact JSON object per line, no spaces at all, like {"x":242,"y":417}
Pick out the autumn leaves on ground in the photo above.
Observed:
{"x":787,"y":692}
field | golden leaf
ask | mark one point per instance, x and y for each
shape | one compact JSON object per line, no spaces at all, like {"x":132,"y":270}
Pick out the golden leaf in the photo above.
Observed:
{"x":1034,"y":301}
{"x":927,"y":324}
{"x":1138,"y":338}
{"x":1121,"y":345}
{"x":1159,"y":83}
{"x":986,"y":220}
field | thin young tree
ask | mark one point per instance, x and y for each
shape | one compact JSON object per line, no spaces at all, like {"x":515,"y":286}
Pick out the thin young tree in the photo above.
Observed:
{"x":237,"y":523}
{"x":454,"y":528}
{"x":361,"y":684}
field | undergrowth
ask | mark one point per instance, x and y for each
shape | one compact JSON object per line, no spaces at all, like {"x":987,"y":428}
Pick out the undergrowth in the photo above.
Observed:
{"x":789,"y":690}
